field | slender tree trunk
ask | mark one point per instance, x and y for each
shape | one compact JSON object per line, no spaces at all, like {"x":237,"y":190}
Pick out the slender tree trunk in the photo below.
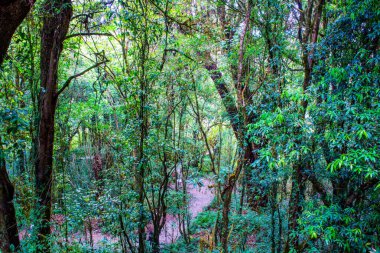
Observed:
{"x":55,"y":27}
{"x":295,"y":208}
{"x":279,"y":239}
{"x":273,"y":220}
{"x":91,"y":237}
{"x":141,"y":158}
{"x":226,"y":197}
{"x":156,"y":240}
{"x":8,"y":225}
{"x":141,"y":174}
{"x":242,"y":195}
{"x":143,"y":117}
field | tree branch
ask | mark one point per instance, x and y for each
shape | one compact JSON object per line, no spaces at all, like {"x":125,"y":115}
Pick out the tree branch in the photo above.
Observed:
{"x":180,"y":52}
{"x":88,"y":34}
{"x":355,"y":194}
{"x":68,"y":81}
{"x":226,"y":96}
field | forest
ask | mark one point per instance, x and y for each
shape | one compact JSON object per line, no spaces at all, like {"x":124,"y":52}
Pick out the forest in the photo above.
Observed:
{"x":188,"y":126}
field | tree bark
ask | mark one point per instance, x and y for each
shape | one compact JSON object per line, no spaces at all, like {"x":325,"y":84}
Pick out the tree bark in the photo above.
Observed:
{"x":12,"y":13}
{"x":295,"y":208}
{"x":226,"y":197}
{"x":55,"y":27}
{"x":9,"y":240}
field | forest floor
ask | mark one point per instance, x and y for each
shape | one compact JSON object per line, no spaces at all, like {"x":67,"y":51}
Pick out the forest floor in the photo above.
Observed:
{"x":201,"y":196}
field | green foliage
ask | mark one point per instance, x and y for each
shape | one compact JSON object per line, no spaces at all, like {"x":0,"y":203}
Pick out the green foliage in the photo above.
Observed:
{"x":205,"y":220}
{"x":154,"y":107}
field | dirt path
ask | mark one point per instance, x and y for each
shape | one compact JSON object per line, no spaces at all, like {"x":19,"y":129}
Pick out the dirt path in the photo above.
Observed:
{"x":200,"y":197}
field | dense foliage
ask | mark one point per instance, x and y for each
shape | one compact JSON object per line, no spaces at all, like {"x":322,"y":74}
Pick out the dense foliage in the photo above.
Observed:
{"x":190,"y":126}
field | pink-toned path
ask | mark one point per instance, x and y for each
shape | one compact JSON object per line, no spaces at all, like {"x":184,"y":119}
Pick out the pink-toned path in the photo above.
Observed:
{"x":200,"y":197}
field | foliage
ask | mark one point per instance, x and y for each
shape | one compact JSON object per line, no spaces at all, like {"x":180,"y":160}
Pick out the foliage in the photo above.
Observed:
{"x":227,"y":91}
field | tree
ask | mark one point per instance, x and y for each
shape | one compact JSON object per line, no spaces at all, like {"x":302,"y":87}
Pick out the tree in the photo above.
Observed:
{"x":271,"y":107}
{"x":9,"y":239}
{"x":55,"y":27}
{"x":12,"y":13}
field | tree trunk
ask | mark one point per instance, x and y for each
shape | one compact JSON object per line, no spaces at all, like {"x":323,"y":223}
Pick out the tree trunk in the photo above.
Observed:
{"x":295,"y":208}
{"x":156,"y":240}
{"x":256,"y":195}
{"x":227,"y":195}
{"x":8,"y":225}
{"x":12,"y":13}
{"x":273,"y":203}
{"x":55,"y":27}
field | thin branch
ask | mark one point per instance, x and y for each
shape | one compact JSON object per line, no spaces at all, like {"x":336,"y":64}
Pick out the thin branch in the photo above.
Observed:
{"x":182,"y":53}
{"x":87,"y":15}
{"x":88,"y":34}
{"x":185,"y":23}
{"x":68,"y":81}
{"x":166,"y":36}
